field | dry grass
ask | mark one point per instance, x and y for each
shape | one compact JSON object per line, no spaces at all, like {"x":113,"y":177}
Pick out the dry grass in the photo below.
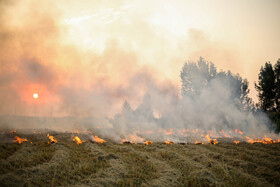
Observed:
{"x":109,"y":164}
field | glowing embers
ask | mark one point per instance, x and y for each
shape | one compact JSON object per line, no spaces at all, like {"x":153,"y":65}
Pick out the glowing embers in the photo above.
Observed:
{"x":78,"y":140}
{"x":52,"y":139}
{"x":19,"y":140}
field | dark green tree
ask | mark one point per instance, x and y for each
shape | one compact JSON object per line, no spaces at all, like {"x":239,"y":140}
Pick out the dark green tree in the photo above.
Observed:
{"x":277,"y":86}
{"x":266,"y":87}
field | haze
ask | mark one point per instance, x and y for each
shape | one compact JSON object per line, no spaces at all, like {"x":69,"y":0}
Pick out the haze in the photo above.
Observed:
{"x":84,"y":58}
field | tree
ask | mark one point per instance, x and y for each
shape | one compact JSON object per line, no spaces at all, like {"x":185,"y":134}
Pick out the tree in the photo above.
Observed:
{"x":266,"y":87}
{"x":277,"y":85}
{"x":144,"y":110}
{"x":126,"y":108}
{"x":194,"y":76}
{"x":197,"y":76}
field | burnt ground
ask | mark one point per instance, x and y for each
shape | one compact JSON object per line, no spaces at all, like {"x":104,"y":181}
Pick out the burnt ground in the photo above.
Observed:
{"x":109,"y":164}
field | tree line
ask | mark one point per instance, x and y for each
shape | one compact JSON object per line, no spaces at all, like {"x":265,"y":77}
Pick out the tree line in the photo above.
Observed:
{"x":268,"y":87}
{"x":201,"y":82}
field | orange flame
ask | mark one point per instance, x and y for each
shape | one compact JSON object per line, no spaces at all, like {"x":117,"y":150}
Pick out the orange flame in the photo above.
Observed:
{"x":98,"y":140}
{"x":236,"y":142}
{"x":168,"y":142}
{"x":19,"y":140}
{"x":264,"y":140}
{"x":52,"y":139}
{"x":211,"y":141}
{"x":78,"y":140}
{"x":197,"y":142}
{"x":267,"y":140}
{"x":238,"y":131}
{"x":148,"y":142}
{"x":168,"y":132}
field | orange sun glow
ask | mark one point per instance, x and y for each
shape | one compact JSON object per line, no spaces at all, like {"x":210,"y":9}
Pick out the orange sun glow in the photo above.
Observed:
{"x":35,"y":96}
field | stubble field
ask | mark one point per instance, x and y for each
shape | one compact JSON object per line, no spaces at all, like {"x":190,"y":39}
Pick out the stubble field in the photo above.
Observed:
{"x":65,"y":163}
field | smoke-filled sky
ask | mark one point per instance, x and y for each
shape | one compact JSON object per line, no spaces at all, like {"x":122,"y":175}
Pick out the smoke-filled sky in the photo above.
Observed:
{"x":86,"y":57}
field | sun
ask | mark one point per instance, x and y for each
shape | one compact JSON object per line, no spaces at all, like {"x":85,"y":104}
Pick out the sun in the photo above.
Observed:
{"x":35,"y":96}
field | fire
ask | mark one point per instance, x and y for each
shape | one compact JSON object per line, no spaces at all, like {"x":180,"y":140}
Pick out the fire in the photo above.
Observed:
{"x":197,"y":142}
{"x":132,"y":139}
{"x":98,"y":140}
{"x":211,"y":141}
{"x":267,"y":140}
{"x":168,"y":142}
{"x":168,"y":132}
{"x":19,"y":140}
{"x":264,"y":140}
{"x":236,"y":142}
{"x":52,"y":139}
{"x":77,"y":132}
{"x":78,"y":140}
{"x":238,"y":131}
{"x":148,"y":142}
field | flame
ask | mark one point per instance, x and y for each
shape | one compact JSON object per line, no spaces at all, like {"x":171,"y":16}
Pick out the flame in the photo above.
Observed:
{"x":52,"y":139}
{"x":211,"y":141}
{"x":236,"y":142}
{"x":267,"y":140}
{"x":19,"y":140}
{"x":168,"y":132}
{"x":201,"y":135}
{"x":238,"y":131}
{"x":148,"y":142}
{"x":197,"y":142}
{"x":132,"y":138}
{"x":264,"y":140}
{"x":168,"y":142}
{"x":78,"y":140}
{"x":98,"y":140}
{"x":77,"y":132}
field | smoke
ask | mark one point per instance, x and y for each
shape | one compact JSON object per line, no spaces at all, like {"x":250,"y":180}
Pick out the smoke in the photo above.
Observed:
{"x":90,"y":79}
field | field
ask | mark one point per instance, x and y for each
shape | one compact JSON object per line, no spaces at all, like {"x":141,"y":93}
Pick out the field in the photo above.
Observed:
{"x":109,"y":164}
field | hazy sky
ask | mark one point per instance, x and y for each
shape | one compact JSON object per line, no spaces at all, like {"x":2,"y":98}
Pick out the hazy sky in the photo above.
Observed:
{"x":87,"y":57}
